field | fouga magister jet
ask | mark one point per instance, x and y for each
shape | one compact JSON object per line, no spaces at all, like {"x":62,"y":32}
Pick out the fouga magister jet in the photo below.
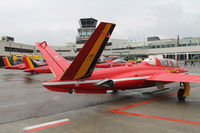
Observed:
{"x":9,"y":66}
{"x":34,"y":67}
{"x":80,"y":76}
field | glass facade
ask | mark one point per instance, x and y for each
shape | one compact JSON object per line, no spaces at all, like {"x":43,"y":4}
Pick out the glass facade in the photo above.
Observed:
{"x":85,"y":32}
{"x":22,"y":50}
{"x":173,"y":43}
{"x":191,"y":50}
{"x":87,"y":22}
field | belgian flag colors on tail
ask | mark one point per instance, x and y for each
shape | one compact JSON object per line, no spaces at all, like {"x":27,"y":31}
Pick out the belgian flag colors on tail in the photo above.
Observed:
{"x":84,"y":63}
{"x":6,"y":61}
{"x":29,"y":63}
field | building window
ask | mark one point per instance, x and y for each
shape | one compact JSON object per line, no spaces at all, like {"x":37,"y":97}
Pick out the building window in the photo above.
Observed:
{"x":173,"y":45}
{"x":63,"y":50}
{"x":12,"y":49}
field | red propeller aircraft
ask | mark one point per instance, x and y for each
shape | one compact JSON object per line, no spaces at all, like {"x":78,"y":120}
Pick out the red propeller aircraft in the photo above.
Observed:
{"x":115,"y":63}
{"x":33,"y":67}
{"x":9,"y":66}
{"x":80,"y":76}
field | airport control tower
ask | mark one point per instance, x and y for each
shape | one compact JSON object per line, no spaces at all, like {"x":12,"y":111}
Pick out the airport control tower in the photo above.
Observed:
{"x":87,"y":27}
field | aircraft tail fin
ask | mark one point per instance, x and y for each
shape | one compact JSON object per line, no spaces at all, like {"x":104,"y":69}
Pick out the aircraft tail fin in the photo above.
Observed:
{"x":6,"y":62}
{"x":56,"y":62}
{"x":29,"y":62}
{"x":84,"y":63}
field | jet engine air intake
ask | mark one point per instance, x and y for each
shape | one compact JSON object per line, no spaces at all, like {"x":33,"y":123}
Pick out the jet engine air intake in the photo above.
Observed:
{"x":106,"y":83}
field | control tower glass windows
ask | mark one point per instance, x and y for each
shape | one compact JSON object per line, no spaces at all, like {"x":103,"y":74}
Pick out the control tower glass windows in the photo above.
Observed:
{"x":87,"y":27}
{"x":84,"y":32}
{"x":88,"y":22}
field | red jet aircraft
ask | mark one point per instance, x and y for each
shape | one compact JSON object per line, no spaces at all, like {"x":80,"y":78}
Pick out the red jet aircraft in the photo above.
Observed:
{"x":80,"y":76}
{"x":115,"y":63}
{"x":33,"y":67}
{"x":9,"y":66}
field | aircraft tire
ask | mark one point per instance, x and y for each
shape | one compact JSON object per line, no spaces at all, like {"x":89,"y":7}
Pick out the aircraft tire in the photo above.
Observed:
{"x":180,"y":95}
{"x":70,"y":91}
{"x":181,"y":84}
{"x":111,"y":83}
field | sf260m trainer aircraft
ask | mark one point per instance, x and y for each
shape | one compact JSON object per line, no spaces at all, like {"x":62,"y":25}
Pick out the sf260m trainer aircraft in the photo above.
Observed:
{"x":80,"y":76}
{"x":8,"y":65}
{"x":33,"y":67}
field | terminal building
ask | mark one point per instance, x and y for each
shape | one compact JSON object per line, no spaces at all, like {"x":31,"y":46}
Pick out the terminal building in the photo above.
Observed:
{"x":181,"y":49}
{"x":177,"y":48}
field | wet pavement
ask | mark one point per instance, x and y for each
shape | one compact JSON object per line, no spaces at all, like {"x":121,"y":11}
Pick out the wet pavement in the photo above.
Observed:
{"x":22,"y":96}
{"x":24,"y":102}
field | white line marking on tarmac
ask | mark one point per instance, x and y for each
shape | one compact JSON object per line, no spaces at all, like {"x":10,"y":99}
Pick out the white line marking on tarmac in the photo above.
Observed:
{"x":46,"y":125}
{"x":10,"y":105}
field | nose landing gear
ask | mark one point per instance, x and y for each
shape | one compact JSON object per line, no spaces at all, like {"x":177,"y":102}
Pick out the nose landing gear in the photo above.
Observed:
{"x":183,"y":92}
{"x":180,"y":94}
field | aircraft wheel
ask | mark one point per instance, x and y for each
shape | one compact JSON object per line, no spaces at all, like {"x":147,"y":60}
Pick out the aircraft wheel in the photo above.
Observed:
{"x":111,"y":83}
{"x":70,"y":91}
{"x":180,"y":95}
{"x":182,"y":84}
{"x":32,"y":73}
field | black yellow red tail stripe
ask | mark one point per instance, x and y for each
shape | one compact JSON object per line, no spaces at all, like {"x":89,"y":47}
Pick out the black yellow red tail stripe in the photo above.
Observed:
{"x":28,"y":63}
{"x":6,"y":61}
{"x":84,"y":63}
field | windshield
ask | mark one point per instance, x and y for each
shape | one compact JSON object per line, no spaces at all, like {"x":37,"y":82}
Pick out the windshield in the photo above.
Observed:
{"x":150,"y":61}
{"x":119,"y":61}
{"x":163,"y":62}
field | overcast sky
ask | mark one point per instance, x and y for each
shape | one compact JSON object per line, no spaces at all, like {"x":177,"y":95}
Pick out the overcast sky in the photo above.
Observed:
{"x":56,"y":21}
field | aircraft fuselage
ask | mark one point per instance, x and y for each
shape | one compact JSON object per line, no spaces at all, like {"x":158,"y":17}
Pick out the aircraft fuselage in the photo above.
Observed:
{"x":119,"y":78}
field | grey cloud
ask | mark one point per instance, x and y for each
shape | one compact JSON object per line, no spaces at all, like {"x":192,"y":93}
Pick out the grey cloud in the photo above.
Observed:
{"x":56,"y":21}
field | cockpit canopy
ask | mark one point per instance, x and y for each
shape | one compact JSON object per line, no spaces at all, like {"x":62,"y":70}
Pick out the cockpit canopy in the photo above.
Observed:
{"x":161,"y":62}
{"x":119,"y":61}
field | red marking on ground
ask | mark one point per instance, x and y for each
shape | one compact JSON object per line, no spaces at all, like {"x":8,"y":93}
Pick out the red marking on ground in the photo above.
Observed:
{"x":119,"y":111}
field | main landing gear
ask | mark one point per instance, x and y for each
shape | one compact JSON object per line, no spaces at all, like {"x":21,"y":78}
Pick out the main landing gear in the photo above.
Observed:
{"x":183,"y":92}
{"x":70,"y":91}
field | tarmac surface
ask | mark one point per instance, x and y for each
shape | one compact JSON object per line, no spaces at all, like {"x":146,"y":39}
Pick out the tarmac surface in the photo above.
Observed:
{"x":24,"y":102}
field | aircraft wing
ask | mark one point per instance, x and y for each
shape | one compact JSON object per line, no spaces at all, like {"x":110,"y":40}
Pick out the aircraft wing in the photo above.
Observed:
{"x":174,"y":77}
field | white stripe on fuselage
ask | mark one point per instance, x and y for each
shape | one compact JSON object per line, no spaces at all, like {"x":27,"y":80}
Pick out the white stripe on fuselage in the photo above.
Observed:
{"x":91,"y":81}
{"x":71,"y":82}
{"x":134,"y":78}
